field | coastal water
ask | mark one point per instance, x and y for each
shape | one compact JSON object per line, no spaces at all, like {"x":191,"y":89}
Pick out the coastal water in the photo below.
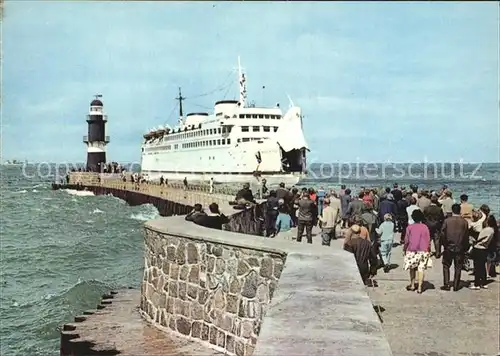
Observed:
{"x":60,"y":250}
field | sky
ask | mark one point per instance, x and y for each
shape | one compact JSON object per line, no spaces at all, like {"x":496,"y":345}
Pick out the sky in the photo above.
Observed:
{"x":377,"y":82}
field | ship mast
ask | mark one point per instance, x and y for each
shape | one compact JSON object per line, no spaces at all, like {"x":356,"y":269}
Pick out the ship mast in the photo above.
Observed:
{"x":180,"y":98}
{"x":243,"y":87}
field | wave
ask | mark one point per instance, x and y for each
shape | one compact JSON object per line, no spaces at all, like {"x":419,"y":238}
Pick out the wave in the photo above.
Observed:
{"x":97,"y":211}
{"x":35,"y":191}
{"x":148,"y":212}
{"x":78,"y":291}
{"x":21,"y":191}
{"x":79,"y":193}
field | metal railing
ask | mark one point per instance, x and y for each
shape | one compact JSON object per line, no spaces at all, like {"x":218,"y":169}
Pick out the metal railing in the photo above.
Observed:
{"x":86,"y":139}
{"x":100,"y":117}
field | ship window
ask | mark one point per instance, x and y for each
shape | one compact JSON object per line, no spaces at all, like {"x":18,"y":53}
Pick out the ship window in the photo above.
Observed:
{"x":223,"y":141}
{"x":266,"y":116}
{"x":242,"y":116}
{"x":228,"y":129}
{"x":275,"y":128}
{"x":246,"y":139}
{"x":256,"y":129}
{"x":218,"y":114}
{"x":261,"y":116}
{"x":266,"y":128}
{"x":218,"y":142}
{"x":213,"y":142}
{"x":239,"y":140}
{"x":254,"y":116}
{"x":244,"y":128}
{"x":273,"y":117}
{"x":219,"y":130}
{"x":278,"y":117}
{"x":176,"y":146}
{"x":228,"y":141}
{"x":248,"y":116}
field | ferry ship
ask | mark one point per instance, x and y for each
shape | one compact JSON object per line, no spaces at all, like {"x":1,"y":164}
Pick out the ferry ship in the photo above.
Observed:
{"x":237,"y":143}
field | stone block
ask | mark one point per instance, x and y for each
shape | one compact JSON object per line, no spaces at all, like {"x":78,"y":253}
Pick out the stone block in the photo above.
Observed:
{"x":192,"y":291}
{"x":253,"y":262}
{"x":174,"y":271}
{"x":181,"y":254}
{"x":183,"y":326}
{"x":220,"y":266}
{"x":173,"y":289}
{"x":243,"y":268}
{"x":246,"y":329}
{"x":229,"y":343}
{"x":234,"y":286}
{"x":192,"y":253}
{"x":194,"y":274}
{"x":202,"y":296}
{"x":184,"y":271}
{"x":211,"y":264}
{"x":232,"y":304}
{"x":182,"y":290}
{"x":249,"y":289}
{"x":213,"y":335}
{"x":263,"y":293}
{"x":239,"y":348}
{"x":196,"y":329}
{"x":266,"y":269}
{"x":221,"y":338}
{"x":205,"y":331}
{"x":170,"y":305}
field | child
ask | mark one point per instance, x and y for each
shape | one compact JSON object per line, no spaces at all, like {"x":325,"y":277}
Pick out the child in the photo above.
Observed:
{"x":283,"y":221}
{"x":386,"y":232}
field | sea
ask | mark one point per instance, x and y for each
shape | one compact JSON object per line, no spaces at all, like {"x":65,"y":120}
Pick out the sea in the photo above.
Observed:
{"x":61,"y":250}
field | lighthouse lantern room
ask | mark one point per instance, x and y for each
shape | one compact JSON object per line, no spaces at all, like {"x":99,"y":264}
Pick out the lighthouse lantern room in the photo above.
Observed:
{"x":96,"y":140}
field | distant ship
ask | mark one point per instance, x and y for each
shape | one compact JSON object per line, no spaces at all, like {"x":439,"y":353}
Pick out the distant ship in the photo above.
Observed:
{"x":14,"y":162}
{"x":236,"y":143}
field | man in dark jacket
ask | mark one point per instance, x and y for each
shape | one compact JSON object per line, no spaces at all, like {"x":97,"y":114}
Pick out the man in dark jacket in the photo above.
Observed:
{"x":345,"y":199}
{"x":245,"y":195}
{"x":196,"y":212}
{"x":355,"y":207}
{"x":455,"y":241}
{"x":285,"y":194}
{"x":365,"y":255}
{"x":387,"y":206}
{"x":401,"y":218}
{"x":306,"y":217}
{"x":434,"y":218}
{"x":214,"y":220}
{"x":271,"y":213}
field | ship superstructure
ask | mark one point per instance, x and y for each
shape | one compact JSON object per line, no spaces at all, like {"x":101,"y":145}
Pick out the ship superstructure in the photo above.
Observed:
{"x":236,"y":143}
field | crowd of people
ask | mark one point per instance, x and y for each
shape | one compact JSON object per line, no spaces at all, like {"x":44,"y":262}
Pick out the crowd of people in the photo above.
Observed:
{"x":370,"y":221}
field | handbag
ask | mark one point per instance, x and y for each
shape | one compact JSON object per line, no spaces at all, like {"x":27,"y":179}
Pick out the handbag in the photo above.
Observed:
{"x":429,"y":262}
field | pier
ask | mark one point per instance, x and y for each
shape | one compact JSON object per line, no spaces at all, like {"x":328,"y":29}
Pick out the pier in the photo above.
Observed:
{"x":221,"y":292}
{"x":226,"y":292}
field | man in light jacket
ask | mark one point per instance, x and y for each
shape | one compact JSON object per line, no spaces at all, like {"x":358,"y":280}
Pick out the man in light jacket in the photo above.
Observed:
{"x":329,"y":219}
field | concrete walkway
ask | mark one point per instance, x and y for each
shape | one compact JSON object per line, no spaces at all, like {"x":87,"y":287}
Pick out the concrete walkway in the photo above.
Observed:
{"x":434,"y":323}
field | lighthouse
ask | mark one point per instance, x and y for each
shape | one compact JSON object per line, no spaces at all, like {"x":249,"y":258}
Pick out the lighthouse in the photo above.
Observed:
{"x":96,"y":140}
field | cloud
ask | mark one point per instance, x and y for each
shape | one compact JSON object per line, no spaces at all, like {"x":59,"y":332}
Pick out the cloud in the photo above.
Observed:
{"x":374,"y":79}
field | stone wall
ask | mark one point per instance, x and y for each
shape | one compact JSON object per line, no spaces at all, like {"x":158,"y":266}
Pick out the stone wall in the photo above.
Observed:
{"x":250,"y":295}
{"x":212,"y":292}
